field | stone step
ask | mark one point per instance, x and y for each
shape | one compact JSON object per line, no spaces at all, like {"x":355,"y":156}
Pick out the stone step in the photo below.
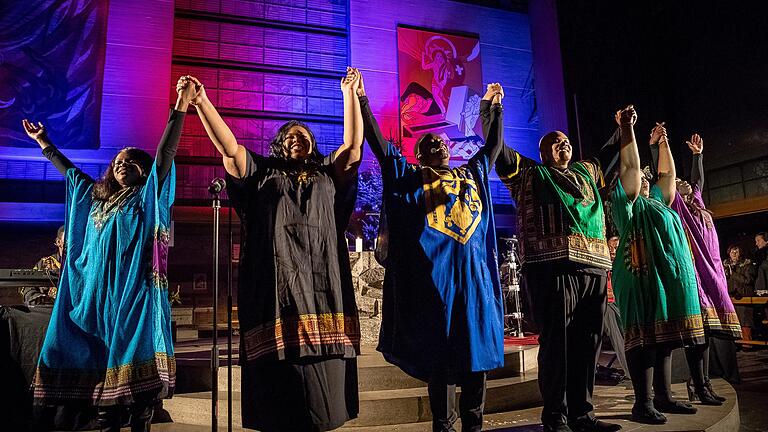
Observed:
{"x":497,"y":421}
{"x":504,"y":421}
{"x":375,"y":373}
{"x":377,"y":407}
{"x":411,"y":405}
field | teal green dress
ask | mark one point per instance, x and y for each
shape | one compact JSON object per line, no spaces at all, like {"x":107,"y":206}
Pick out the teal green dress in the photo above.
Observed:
{"x":109,"y":338}
{"x":653,"y":276}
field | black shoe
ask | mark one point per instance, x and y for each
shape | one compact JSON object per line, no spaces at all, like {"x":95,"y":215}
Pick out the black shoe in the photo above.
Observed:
{"x":673,"y":406}
{"x":559,"y":427}
{"x":702,"y":394}
{"x":141,"y":417}
{"x":587,"y":424}
{"x":110,"y":418}
{"x":647,"y":414}
{"x":708,"y":385}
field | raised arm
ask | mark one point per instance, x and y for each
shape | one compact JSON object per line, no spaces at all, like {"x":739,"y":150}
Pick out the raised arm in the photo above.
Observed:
{"x":696,"y":144}
{"x":371,"y":130}
{"x":656,"y":134}
{"x":608,"y":156}
{"x":38,"y":133}
{"x":509,"y":163}
{"x":629,"y":167}
{"x":666,"y":169}
{"x":233,"y":154}
{"x":493,"y":123}
{"x":169,"y":142}
{"x":348,"y":156}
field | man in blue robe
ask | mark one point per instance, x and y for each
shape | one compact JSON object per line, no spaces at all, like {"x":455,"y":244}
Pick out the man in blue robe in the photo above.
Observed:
{"x":442,"y":315}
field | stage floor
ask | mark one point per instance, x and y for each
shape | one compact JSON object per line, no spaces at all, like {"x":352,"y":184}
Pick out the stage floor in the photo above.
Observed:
{"x":611,"y":403}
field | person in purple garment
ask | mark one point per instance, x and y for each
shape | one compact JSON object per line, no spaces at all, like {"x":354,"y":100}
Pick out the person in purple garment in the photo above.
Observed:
{"x":718,"y":312}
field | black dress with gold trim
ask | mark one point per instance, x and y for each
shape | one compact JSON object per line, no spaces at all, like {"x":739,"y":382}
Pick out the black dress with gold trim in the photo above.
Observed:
{"x":296,"y":305}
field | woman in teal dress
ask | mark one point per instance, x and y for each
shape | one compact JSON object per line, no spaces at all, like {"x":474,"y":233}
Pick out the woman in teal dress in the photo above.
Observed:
{"x":653,"y":279}
{"x":109,"y":343}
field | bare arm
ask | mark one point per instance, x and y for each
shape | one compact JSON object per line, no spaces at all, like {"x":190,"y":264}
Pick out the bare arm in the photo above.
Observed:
{"x":376,"y":141}
{"x":348,"y":156}
{"x":629,"y":168}
{"x":232,"y":153}
{"x":424,"y":63}
{"x":666,"y":170}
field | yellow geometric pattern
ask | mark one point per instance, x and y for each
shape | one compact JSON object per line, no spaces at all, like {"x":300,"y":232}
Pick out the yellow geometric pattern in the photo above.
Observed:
{"x":452,"y":202}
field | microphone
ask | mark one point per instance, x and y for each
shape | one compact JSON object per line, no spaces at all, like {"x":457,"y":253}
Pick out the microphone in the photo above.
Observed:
{"x":217,"y":185}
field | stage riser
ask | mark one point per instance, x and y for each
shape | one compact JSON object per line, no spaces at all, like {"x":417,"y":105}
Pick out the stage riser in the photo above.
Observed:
{"x":374,"y":373}
{"x":382,"y":407}
{"x":520,"y":393}
{"x":192,"y":412}
{"x":387,"y":395}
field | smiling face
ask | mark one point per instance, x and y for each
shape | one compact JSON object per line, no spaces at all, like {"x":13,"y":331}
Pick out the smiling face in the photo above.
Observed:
{"x":555,"y":149}
{"x":683,"y":187}
{"x":297,"y":143}
{"x":645,"y":187}
{"x":760,"y":241}
{"x":734,"y":254}
{"x":126,"y":169}
{"x":432,"y":151}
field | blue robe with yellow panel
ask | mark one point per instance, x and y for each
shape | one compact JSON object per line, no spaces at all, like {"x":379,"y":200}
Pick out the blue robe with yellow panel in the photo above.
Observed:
{"x":442,"y":310}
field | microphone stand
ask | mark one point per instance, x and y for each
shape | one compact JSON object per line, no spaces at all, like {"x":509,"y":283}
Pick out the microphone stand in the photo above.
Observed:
{"x":215,"y":348}
{"x":229,"y":326}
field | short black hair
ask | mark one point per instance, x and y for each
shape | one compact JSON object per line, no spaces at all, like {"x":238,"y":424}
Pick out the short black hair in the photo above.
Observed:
{"x":427,"y":136}
{"x":762,"y":234}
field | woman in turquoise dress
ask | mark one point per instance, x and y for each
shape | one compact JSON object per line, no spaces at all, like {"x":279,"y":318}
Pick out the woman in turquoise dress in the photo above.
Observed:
{"x":109,"y":343}
{"x":653,"y":279}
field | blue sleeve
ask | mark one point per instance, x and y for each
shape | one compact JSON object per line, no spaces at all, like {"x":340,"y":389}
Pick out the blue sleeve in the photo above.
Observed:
{"x":158,"y":195}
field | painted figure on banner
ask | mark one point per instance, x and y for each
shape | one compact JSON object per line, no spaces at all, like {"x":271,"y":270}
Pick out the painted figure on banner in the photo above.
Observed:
{"x":440,"y":78}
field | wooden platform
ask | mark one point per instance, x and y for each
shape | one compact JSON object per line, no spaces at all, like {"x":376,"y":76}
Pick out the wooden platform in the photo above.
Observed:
{"x":749,"y":300}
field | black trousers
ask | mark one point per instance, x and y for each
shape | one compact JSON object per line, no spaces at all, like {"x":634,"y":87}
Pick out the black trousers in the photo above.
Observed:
{"x":613,"y":329}
{"x":568,"y":306}
{"x":442,"y":401}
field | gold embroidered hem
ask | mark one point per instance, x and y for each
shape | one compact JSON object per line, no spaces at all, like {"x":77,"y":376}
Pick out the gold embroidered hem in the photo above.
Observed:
{"x":574,"y":247}
{"x":305,"y":335}
{"x":121,"y":385}
{"x":724,"y":324}
{"x":686,"y":331}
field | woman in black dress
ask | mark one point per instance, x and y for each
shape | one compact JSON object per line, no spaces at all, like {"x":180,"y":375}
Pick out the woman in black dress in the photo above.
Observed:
{"x":299,"y":330}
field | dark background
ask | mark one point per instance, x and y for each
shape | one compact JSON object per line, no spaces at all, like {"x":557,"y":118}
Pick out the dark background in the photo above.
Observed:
{"x":700,"y":66}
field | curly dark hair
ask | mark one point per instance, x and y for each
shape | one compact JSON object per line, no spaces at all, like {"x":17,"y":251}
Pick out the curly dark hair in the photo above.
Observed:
{"x":108,"y":185}
{"x":277,"y":149}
